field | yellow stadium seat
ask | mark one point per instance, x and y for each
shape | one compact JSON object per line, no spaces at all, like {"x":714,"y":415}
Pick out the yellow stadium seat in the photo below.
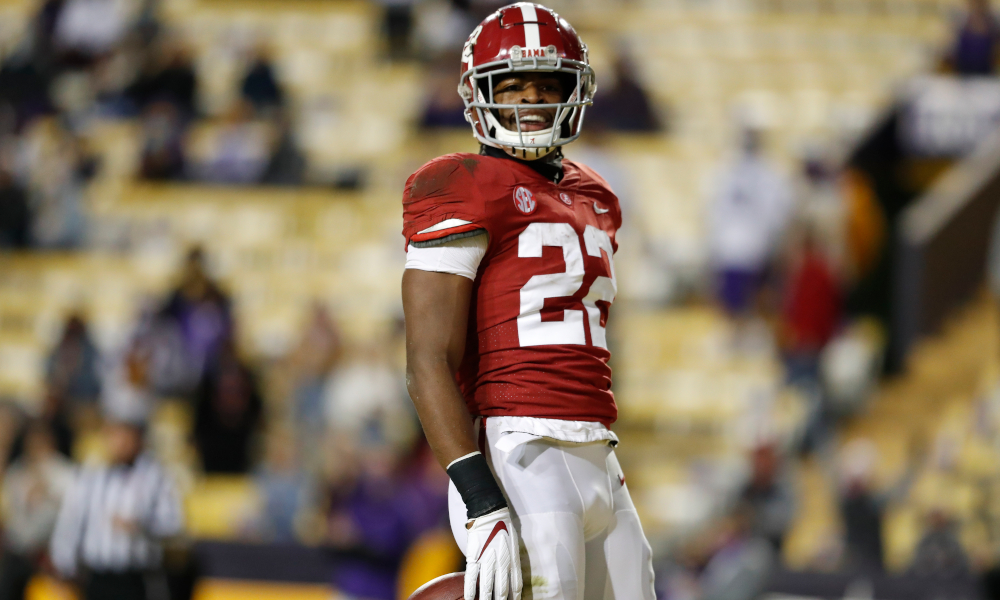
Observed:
{"x":217,"y":504}
{"x":432,"y":555}
{"x":217,"y":589}
{"x":45,"y":588}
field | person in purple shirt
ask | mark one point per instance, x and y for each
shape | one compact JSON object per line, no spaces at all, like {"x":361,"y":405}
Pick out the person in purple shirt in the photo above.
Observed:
{"x":201,"y":310}
{"x":974,"y":53}
{"x":375,"y":517}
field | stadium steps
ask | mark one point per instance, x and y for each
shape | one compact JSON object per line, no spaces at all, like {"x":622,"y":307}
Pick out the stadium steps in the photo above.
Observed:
{"x":939,"y":417}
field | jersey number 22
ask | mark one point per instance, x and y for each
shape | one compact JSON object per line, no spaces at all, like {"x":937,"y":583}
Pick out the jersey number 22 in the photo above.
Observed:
{"x":531,"y":330}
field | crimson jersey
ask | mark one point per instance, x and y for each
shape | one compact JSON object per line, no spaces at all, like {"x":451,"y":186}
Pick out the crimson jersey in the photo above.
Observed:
{"x":536,"y":337}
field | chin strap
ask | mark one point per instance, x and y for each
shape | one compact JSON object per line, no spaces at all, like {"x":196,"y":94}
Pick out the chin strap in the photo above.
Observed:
{"x":527,"y":153}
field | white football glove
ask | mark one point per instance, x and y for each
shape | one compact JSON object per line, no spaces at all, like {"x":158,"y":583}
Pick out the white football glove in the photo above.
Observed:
{"x":492,"y":557}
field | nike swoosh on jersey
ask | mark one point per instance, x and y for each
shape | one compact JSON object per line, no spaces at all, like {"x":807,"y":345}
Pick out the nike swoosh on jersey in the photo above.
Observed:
{"x":621,"y":479}
{"x":599,"y":210}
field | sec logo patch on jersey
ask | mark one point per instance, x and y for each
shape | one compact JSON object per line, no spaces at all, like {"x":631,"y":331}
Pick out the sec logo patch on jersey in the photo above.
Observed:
{"x":524,"y":200}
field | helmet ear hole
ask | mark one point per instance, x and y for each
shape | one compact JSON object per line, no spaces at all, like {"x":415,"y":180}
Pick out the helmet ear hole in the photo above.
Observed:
{"x":484,"y":89}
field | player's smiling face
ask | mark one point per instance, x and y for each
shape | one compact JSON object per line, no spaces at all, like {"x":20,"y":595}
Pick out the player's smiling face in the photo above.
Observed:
{"x":528,"y":89}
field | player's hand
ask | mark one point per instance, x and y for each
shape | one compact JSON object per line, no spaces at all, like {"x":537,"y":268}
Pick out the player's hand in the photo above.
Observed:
{"x":493,"y":558}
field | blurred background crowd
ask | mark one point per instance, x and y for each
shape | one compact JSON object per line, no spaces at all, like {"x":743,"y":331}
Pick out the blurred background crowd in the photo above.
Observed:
{"x":200,"y":260}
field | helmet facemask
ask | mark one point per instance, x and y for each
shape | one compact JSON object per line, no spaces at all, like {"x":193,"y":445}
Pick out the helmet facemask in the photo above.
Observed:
{"x":481,"y":109}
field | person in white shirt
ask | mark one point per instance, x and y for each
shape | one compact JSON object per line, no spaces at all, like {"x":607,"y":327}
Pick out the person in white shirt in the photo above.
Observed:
{"x":749,"y":214}
{"x":91,"y":28}
{"x":33,"y":489}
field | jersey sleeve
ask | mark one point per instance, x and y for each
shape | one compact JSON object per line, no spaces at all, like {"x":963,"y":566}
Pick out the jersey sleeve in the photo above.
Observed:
{"x":441,"y":203}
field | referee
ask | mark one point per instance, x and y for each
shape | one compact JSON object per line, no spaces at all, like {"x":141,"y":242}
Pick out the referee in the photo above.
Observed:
{"x":113,"y":518}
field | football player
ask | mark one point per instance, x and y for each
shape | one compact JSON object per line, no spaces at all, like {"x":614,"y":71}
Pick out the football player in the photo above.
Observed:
{"x":508,"y":282}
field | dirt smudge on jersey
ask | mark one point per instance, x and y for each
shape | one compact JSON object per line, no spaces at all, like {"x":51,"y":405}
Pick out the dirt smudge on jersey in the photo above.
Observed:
{"x":471,"y":164}
{"x":433,"y":179}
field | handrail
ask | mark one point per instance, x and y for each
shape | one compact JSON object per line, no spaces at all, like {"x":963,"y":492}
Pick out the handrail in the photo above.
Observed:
{"x":930,"y":213}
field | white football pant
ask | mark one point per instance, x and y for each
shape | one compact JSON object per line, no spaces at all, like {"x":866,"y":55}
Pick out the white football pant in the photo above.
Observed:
{"x":580,"y":534}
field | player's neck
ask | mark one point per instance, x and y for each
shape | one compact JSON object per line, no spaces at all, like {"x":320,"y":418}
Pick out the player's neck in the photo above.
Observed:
{"x":549,"y":167}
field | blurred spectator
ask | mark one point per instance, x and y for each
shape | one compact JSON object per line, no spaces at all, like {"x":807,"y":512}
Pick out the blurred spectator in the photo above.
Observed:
{"x":200,"y":310}
{"x":622,"y":105}
{"x":241,"y":148}
{"x":308,"y":365}
{"x":115,"y":517}
{"x":228,"y":411}
{"x":33,"y":488}
{"x":811,"y":314}
{"x":113,"y":76}
{"x":163,"y":143}
{"x":823,"y":209}
{"x":740,"y":563}
{"x":865,"y":226}
{"x":287,"y":165}
{"x":975,"y":49}
{"x":444,"y":107}
{"x":748,"y":216}
{"x":863,"y":508}
{"x":366,"y":392}
{"x":769,"y":496}
{"x":126,"y":385}
{"x":167,"y":77}
{"x":61,"y":170}
{"x":58,"y":420}
{"x":376,"y":516}
{"x":86,"y":30}
{"x":397,"y":25}
{"x":43,"y":48}
{"x":159,"y":341}
{"x":24,"y":86}
{"x":812,"y":307}
{"x":72,"y":367}
{"x":442,"y":27}
{"x":284,"y":487}
{"x":15,"y":214}
{"x":260,"y":87}
{"x":430,"y":484}
{"x":850,"y":366}
{"x":939,"y":553}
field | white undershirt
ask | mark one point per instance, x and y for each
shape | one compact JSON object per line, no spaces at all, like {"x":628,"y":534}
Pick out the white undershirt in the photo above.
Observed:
{"x":462,"y":257}
{"x":458,"y":257}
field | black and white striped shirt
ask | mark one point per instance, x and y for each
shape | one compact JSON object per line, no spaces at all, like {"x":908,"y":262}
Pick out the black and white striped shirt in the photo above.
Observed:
{"x":89,"y":529}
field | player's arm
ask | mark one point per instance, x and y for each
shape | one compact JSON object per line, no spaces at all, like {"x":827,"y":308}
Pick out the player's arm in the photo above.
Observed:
{"x":436,"y":306}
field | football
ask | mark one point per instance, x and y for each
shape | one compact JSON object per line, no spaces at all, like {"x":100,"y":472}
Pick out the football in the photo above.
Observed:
{"x":445,"y":587}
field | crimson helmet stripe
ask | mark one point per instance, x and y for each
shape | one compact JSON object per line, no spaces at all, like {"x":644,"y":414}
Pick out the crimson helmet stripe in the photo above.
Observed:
{"x":532,"y":39}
